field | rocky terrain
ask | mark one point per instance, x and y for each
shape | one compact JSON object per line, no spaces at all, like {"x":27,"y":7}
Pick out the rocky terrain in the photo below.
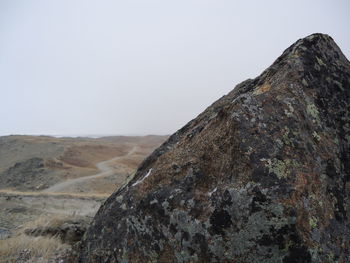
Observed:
{"x":262,"y":175}
{"x":38,"y":162}
{"x":46,"y":180}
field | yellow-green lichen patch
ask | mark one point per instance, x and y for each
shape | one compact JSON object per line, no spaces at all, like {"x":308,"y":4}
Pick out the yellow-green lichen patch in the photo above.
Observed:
{"x":319,"y":61}
{"x":336,"y":140}
{"x":285,"y":137}
{"x":288,"y":245}
{"x":119,"y":198}
{"x":317,"y":67}
{"x":304,"y":82}
{"x":277,"y":167}
{"x":280,"y":168}
{"x":330,"y":256}
{"x":289,"y":112}
{"x":249,"y":151}
{"x":313,"y":222}
{"x":316,"y":136}
{"x":312,"y":110}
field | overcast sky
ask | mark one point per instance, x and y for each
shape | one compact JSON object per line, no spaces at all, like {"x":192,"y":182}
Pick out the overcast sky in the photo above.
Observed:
{"x":141,"y":66}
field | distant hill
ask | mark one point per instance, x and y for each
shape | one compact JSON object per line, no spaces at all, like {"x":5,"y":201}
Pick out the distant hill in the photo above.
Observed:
{"x":38,"y":162}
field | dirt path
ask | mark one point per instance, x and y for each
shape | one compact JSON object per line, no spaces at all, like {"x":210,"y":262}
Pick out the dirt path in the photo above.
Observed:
{"x":105,"y":170}
{"x":18,"y":207}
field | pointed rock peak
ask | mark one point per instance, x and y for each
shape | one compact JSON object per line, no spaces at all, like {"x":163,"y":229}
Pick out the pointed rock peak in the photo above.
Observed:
{"x":317,"y":50}
{"x":318,"y":40}
{"x":310,"y":62}
{"x":262,"y":175}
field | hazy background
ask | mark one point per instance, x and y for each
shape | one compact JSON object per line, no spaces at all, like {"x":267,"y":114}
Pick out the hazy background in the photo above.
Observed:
{"x":139,"y":67}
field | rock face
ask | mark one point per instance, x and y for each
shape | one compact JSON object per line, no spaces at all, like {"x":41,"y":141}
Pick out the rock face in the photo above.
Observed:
{"x":262,"y":175}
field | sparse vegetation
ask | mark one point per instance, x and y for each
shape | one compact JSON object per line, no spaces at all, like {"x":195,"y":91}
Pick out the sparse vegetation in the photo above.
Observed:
{"x":49,"y":220}
{"x":25,"y":248}
{"x":39,"y":249}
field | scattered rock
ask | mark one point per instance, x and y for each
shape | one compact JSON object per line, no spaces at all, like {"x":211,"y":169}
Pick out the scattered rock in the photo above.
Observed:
{"x":262,"y":175}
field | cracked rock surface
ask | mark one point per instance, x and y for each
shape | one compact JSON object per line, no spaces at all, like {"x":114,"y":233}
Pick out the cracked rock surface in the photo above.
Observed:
{"x":262,"y":175}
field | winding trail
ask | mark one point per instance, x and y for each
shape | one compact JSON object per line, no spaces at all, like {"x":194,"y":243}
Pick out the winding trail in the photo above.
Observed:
{"x":105,"y":170}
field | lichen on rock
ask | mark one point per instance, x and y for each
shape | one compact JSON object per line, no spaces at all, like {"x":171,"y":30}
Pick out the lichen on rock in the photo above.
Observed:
{"x":262,"y":175}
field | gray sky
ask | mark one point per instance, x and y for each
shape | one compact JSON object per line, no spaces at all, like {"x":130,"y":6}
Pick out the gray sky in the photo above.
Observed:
{"x":141,"y":66}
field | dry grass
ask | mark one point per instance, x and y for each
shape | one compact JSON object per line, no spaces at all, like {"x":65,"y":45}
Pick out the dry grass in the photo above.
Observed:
{"x":48,"y":220}
{"x":33,"y":249}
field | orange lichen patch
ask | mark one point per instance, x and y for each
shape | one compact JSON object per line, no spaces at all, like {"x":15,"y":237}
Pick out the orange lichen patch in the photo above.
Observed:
{"x":262,"y":89}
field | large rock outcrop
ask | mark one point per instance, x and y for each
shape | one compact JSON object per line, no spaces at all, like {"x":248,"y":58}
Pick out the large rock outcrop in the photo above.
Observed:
{"x":262,"y":175}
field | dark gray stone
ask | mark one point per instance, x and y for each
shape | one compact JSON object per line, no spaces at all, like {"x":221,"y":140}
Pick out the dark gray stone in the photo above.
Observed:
{"x":262,"y":175}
